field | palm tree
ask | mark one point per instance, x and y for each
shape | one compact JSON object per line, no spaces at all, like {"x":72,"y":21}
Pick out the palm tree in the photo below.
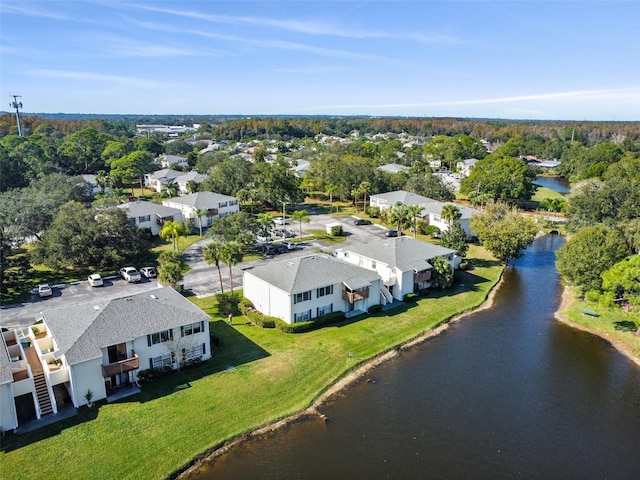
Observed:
{"x":192,"y":187}
{"x":170,"y":188}
{"x":212,"y":255}
{"x":265,"y":220}
{"x":172,"y":230}
{"x":450,"y":213}
{"x":301,"y":216}
{"x":170,"y":273}
{"x":365,"y":188}
{"x":199,"y":213}
{"x":399,"y":216}
{"x":330,"y":189}
{"x":230,"y":254}
{"x":414,"y":212}
{"x":103,"y":179}
{"x":355,"y":192}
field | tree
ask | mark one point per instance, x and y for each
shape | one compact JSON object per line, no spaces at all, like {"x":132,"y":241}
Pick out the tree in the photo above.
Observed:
{"x":300,"y":216}
{"x":265,"y":222}
{"x":134,"y":164}
{"x":238,"y":226}
{"x":230,"y":254}
{"x":199,"y":214}
{"x":413,"y":212}
{"x":442,"y":276}
{"x":276,"y":182}
{"x":400,"y":216}
{"x":503,"y":178}
{"x":192,"y":186}
{"x":82,"y":151}
{"x":504,"y":231}
{"x":170,"y":188}
{"x":212,"y":254}
{"x":103,"y":180}
{"x":450,"y":213}
{"x":83,"y":238}
{"x":590,"y":252}
{"x":455,"y":238}
{"x":172,"y":230}
{"x":331,"y":189}
{"x":170,"y":274}
{"x":430,"y":186}
{"x":365,"y":188}
{"x":623,"y":280}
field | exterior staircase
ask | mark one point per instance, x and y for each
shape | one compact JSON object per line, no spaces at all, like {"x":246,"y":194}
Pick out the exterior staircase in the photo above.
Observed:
{"x":43,"y":394}
{"x":386,"y":295}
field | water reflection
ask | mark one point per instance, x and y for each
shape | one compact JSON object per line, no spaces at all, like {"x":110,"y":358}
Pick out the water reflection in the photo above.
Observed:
{"x":506,"y":393}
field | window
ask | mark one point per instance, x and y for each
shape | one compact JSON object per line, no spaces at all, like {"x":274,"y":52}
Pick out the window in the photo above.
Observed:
{"x":159,"y":337}
{"x":233,"y":202}
{"x":222,"y":204}
{"x":326,"y":310}
{"x":160,"y":361}
{"x":373,"y":264}
{"x":193,"y":352}
{"x":322,"y":291}
{"x":302,"y":297}
{"x":144,"y":219}
{"x":302,"y":317}
{"x":191,"y":329}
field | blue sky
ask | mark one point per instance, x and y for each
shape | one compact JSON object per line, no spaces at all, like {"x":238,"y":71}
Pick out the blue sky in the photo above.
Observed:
{"x":576,"y":60}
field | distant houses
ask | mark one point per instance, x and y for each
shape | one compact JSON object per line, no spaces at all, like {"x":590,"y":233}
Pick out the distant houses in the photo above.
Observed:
{"x":206,"y":205}
{"x":151,"y":215}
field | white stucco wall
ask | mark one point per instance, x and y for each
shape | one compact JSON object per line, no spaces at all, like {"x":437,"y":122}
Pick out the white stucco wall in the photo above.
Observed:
{"x":8,"y":417}
{"x":87,"y":376}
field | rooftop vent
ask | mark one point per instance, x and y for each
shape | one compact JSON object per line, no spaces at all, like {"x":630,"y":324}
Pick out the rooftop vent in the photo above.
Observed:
{"x":96,"y":308}
{"x":153,"y":296}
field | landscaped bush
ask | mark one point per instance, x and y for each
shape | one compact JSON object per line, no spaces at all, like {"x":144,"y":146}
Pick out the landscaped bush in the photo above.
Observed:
{"x":261,"y":320}
{"x":245,"y":306}
{"x":152,"y":374}
{"x":430,"y":230}
{"x":373,"y":212}
{"x":409,"y":297}
{"x":228,"y":303}
{"x":314,"y":324}
{"x":375,"y":308}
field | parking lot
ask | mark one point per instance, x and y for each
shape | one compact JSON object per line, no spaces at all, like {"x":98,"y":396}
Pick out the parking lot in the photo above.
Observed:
{"x":202,"y":279}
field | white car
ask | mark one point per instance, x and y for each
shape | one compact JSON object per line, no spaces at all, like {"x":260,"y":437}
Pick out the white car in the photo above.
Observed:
{"x":130,"y":274}
{"x":281,"y":221}
{"x":148,"y":272}
{"x":44,"y":290}
{"x":95,"y":280}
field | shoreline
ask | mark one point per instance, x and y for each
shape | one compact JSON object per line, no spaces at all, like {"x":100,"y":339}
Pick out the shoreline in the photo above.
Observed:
{"x":339,"y":386}
{"x":567,"y":300}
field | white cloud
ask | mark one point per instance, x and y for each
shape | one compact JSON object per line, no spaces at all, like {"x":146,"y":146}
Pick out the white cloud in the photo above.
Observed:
{"x":20,"y":9}
{"x":97,"y":77}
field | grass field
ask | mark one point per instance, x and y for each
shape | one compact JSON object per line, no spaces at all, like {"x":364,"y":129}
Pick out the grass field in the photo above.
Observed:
{"x":255,"y":377}
{"x":613,"y":324}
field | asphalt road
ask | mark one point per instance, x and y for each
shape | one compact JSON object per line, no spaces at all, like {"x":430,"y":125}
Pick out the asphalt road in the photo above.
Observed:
{"x":202,"y":279}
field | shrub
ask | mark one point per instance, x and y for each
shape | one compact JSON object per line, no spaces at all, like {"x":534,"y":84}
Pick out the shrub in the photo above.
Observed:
{"x":169,"y":256}
{"x":432,"y":231}
{"x":373,"y":212}
{"x":261,"y":320}
{"x":228,"y":303}
{"x":409,"y":297}
{"x":375,"y":308}
{"x":336,"y":231}
{"x":314,"y":324}
{"x":245,"y":306}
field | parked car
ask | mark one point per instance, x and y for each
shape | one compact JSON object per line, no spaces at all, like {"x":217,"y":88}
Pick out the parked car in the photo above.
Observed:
{"x":148,"y":272}
{"x":281,"y":232}
{"x":362,"y":221}
{"x":95,"y":280}
{"x":280,"y":248}
{"x":130,"y":274}
{"x":292,"y":245}
{"x":44,"y":290}
{"x":281,"y":221}
{"x":391,"y":233}
{"x":264,"y":239}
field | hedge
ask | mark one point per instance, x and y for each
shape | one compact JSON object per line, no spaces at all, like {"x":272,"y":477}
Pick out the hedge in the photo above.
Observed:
{"x":314,"y":324}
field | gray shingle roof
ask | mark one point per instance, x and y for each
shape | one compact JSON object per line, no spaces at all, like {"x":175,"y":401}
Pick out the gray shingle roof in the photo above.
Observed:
{"x":193,"y":175}
{"x":82,"y":331}
{"x":5,"y":365}
{"x":402,"y":252}
{"x":166,"y":173}
{"x":404,"y":197}
{"x":305,"y":273}
{"x":139,"y":209}
{"x":201,"y":200}
{"x":436,"y":209}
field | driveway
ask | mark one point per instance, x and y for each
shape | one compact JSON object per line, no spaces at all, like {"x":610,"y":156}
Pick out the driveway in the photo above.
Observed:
{"x":203,"y":280}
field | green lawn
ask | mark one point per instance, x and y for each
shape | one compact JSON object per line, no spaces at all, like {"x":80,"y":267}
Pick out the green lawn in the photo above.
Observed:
{"x":256,"y":376}
{"x":617,"y":325}
{"x":323,"y":236}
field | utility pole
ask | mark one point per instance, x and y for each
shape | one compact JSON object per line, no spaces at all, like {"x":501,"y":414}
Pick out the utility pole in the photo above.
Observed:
{"x":17,"y":105}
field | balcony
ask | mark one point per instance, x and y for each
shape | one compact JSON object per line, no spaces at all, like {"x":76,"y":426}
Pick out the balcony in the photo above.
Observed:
{"x":353,"y":296}
{"x":423,"y":276}
{"x":122,"y":366}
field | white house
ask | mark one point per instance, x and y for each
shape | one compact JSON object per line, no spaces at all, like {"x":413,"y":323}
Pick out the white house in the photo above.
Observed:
{"x":151,"y":215}
{"x":393,"y":168}
{"x":465,"y":166}
{"x":215,"y":205}
{"x":308,"y":287}
{"x":97,"y":347}
{"x":93,"y":188}
{"x":168,"y":161}
{"x":432,"y":214}
{"x":387,"y":200}
{"x":403,"y":264}
{"x":192,"y":176}
{"x":156,"y":180}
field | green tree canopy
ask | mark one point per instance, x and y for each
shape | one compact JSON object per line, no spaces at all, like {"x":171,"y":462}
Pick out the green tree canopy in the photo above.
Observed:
{"x":623,"y":279}
{"x":503,"y":178}
{"x":590,"y":252}
{"x":504,"y":231}
{"x":172,"y":230}
{"x":212,"y":254}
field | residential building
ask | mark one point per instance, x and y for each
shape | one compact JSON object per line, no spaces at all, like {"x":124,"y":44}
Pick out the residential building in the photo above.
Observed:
{"x":432,"y":215}
{"x":403,"y":263}
{"x":97,"y":348}
{"x":211,"y":205}
{"x":158,"y":179}
{"x":169,"y":161}
{"x":151,"y":215}
{"x":303,"y":288}
{"x":465,"y":166}
{"x":387,"y":200}
{"x":193,"y":176}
